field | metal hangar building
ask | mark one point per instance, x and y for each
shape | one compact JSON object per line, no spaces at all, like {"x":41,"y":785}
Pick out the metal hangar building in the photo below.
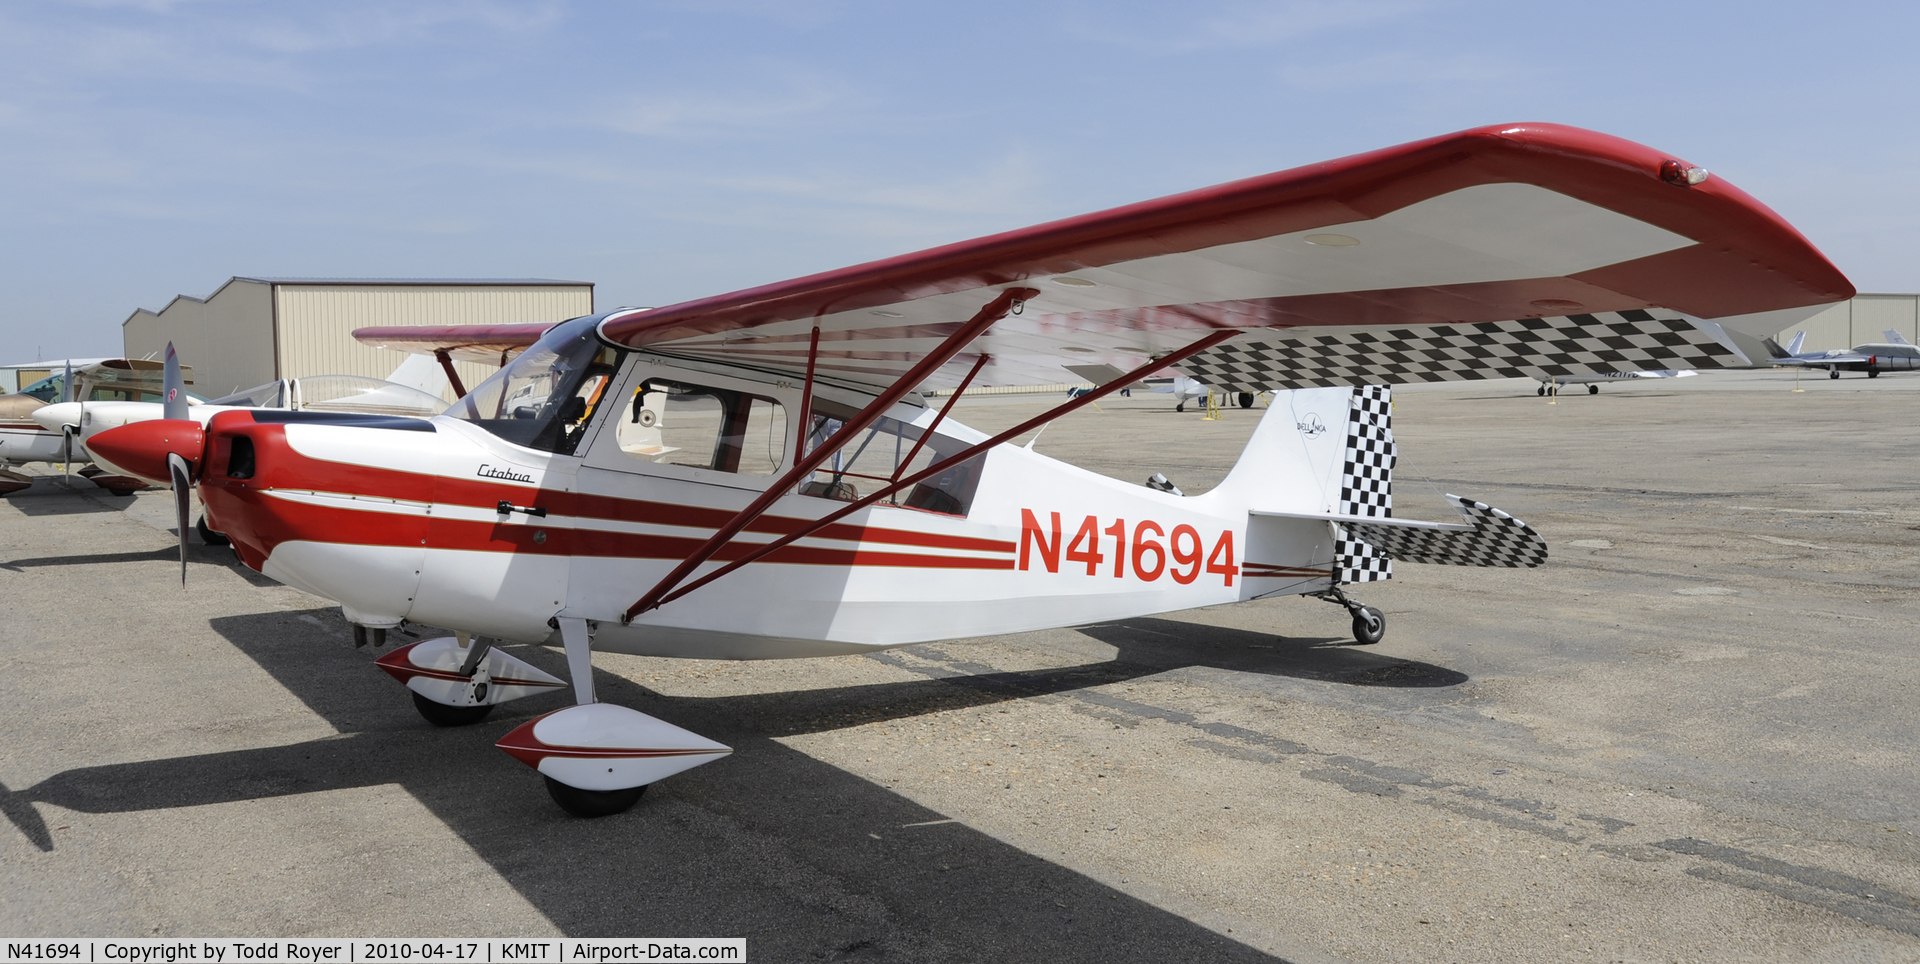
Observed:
{"x":255,"y":330}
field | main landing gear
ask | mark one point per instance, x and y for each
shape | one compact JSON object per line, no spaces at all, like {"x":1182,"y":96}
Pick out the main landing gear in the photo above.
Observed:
{"x":1369,"y":623}
{"x":597,"y":758}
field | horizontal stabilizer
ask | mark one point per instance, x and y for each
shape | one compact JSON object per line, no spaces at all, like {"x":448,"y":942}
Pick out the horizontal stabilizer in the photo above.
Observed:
{"x":1344,"y":519}
{"x":1493,"y":539}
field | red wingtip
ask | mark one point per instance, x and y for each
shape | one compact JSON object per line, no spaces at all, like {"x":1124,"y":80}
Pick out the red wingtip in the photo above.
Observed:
{"x":140,"y":449}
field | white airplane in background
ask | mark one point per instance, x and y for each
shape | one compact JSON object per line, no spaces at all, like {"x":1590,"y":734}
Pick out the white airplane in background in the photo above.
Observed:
{"x":1554,"y":383}
{"x":98,"y":381}
{"x":802,"y":497}
{"x":1896,"y":354}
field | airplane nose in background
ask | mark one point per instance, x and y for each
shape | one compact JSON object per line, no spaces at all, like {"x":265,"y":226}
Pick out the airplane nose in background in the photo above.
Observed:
{"x":140,"y":449}
{"x":58,"y":415}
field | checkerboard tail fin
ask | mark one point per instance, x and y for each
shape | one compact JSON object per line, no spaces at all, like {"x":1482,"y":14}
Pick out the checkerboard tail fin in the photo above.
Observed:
{"x":1366,"y":483}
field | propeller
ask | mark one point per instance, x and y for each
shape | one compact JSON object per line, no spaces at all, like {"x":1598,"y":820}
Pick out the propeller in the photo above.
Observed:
{"x":174,"y":406}
{"x":67,"y":394}
{"x":182,"y":478}
{"x":175,"y":399}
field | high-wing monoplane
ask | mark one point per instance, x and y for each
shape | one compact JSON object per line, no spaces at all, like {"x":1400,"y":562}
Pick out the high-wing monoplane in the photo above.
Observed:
{"x":759,"y":474}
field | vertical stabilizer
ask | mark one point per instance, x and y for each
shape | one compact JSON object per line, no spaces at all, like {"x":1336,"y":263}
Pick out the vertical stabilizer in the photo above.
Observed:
{"x":1366,"y":483}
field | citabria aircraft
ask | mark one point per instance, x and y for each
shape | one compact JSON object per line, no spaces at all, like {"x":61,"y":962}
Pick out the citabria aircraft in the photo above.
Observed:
{"x":763,"y":474}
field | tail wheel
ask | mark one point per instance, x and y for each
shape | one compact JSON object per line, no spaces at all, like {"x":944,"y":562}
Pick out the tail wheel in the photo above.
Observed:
{"x":440,"y":714}
{"x":592,"y":803}
{"x":1369,"y":625}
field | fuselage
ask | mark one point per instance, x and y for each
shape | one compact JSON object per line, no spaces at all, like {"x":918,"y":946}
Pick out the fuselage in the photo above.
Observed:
{"x":446,"y":522}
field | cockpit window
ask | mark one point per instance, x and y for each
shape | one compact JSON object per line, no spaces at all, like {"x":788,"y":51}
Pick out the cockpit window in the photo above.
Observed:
{"x":545,"y":398}
{"x":682,"y":423}
{"x":885,"y":452}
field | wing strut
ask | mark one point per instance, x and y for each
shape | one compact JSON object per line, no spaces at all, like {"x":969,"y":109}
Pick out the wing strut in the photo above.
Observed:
{"x":938,"y":467}
{"x":937,"y":419}
{"x":806,"y":462}
{"x":453,"y":377}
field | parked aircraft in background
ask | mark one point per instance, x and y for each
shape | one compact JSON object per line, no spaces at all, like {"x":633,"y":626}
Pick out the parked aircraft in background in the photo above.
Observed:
{"x":1554,"y":383}
{"x":802,"y":498}
{"x":411,"y":391}
{"x":99,"y":381}
{"x":1896,"y":354}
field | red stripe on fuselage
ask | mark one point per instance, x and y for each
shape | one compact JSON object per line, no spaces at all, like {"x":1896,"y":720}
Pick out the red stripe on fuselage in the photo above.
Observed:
{"x":259,"y":524}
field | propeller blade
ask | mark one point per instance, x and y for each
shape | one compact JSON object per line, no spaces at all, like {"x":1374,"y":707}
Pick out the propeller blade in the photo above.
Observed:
{"x":175,"y":398}
{"x":182,"y":504}
{"x":66,"y":452}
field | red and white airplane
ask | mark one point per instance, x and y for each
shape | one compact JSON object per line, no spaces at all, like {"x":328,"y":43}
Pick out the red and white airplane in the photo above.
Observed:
{"x":758,"y":474}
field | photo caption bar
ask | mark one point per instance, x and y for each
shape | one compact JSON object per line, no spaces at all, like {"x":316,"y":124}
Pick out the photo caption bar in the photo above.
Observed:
{"x":319,"y":950}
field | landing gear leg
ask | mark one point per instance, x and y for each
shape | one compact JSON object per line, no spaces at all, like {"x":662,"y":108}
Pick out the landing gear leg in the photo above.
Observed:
{"x":1369,"y":623}
{"x":574,"y":800}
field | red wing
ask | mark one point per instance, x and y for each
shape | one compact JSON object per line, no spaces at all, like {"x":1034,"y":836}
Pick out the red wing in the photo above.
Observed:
{"x":1523,"y":249}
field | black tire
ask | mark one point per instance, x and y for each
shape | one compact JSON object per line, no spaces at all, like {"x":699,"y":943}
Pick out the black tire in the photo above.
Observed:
{"x":592,"y":803}
{"x":1246,"y":399}
{"x":1593,"y":389}
{"x":1873,"y":373}
{"x":1369,"y":625}
{"x":1180,"y":407}
{"x":1833,"y":373}
{"x":440,"y":714}
{"x":209,"y":536}
{"x":1542,"y":390}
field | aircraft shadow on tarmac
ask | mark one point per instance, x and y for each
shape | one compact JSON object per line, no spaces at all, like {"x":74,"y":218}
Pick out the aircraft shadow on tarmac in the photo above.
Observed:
{"x":768,"y":843}
{"x":197,"y":554}
{"x":1158,"y":645}
{"x":46,"y":499}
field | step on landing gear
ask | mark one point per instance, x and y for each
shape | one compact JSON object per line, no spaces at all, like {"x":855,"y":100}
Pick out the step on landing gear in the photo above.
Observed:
{"x":1369,"y":623}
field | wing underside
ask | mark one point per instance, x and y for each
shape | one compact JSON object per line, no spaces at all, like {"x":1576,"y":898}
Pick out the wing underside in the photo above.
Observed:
{"x":1523,"y":251}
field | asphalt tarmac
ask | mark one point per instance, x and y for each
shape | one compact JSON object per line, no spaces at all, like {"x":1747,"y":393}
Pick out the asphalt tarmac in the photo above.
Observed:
{"x":1688,"y":737}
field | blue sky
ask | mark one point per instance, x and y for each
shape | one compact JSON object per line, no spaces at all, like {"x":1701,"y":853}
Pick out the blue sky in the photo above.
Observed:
{"x":668,"y":151}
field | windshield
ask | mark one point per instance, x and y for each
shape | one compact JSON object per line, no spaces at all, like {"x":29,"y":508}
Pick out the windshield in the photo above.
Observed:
{"x":271,"y":395}
{"x":362,"y":395}
{"x":545,"y":398}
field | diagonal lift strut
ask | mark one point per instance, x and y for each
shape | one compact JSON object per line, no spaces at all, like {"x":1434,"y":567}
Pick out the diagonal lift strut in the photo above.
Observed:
{"x":995,"y":310}
{"x":941,"y":466}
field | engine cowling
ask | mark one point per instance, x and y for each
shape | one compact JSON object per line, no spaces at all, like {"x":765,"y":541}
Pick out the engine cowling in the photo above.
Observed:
{"x":140,"y":449}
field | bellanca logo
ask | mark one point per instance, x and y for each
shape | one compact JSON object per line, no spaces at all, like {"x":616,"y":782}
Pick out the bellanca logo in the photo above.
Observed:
{"x":1311,"y":426}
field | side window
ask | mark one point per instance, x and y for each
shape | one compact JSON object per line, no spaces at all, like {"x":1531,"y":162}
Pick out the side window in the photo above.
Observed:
{"x":885,"y":452}
{"x":680,"y":423}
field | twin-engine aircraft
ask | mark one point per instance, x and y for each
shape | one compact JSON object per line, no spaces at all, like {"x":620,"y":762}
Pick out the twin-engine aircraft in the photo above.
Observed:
{"x":762,"y":474}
